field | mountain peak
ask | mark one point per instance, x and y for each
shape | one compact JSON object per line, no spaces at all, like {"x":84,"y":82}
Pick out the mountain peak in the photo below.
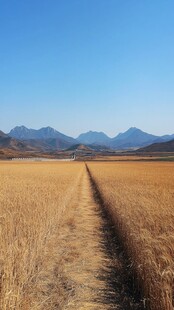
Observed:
{"x":22,"y":127}
{"x":94,"y":137}
{"x":133,"y":128}
{"x":94,"y":131}
{"x":19,"y":132}
{"x":48,"y":129}
{"x":23,"y":133}
{"x":127,"y":133}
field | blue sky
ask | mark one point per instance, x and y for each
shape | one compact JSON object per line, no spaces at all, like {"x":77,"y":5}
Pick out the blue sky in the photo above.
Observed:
{"x":80,"y":65}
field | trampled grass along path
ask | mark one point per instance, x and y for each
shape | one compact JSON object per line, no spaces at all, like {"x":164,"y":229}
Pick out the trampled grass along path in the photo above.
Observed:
{"x":83,"y":256}
{"x":120,"y":292}
{"x":93,"y":263}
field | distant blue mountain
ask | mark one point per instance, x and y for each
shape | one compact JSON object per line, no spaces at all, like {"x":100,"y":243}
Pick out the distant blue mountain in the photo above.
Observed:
{"x":126,"y":134}
{"x":94,"y":137}
{"x":132,"y":138}
{"x":23,"y":133}
{"x":50,"y":138}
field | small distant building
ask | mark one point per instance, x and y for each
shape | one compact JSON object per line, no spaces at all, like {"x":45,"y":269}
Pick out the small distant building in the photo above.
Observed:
{"x":73,"y":156}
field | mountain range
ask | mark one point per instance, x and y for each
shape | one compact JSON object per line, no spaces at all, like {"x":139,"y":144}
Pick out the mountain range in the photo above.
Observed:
{"x":132,"y":138}
{"x":49,"y":139}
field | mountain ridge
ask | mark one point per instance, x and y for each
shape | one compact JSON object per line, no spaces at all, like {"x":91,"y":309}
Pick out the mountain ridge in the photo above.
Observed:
{"x":93,"y":137}
{"x":24,"y":133}
{"x":159,"y":147}
{"x":48,"y":138}
{"x":132,"y":138}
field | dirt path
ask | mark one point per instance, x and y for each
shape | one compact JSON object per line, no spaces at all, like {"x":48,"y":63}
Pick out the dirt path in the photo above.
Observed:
{"x":95,"y":271}
{"x":83,"y":257}
{"x":121,"y":292}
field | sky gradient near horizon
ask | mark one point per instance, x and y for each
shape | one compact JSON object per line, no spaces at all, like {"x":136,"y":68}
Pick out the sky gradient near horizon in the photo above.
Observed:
{"x":79,"y":65}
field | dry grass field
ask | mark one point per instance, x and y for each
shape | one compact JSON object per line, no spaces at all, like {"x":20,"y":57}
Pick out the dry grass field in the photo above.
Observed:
{"x":58,"y":246}
{"x":33,"y":201}
{"x":140,"y":199}
{"x":51,"y":244}
{"x":124,"y":158}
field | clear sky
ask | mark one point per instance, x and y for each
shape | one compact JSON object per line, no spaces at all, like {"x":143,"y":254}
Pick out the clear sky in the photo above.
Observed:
{"x":79,"y":65}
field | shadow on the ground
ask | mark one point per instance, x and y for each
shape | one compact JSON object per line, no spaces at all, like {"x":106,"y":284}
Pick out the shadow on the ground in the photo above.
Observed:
{"x":121,"y":292}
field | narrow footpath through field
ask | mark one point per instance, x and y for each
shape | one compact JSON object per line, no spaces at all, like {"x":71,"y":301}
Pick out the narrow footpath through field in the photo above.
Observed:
{"x":95,"y":269}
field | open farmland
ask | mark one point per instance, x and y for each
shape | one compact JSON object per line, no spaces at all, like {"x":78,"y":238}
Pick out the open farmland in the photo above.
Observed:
{"x":48,"y":217}
{"x":33,"y":201}
{"x":94,"y":236}
{"x":53,"y":241}
{"x":140,"y":199}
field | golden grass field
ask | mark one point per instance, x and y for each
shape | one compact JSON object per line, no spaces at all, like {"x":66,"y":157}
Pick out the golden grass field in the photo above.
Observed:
{"x":33,"y":199}
{"x":140,"y":199}
{"x":124,"y":158}
{"x":52,"y":233}
{"x":51,"y":251}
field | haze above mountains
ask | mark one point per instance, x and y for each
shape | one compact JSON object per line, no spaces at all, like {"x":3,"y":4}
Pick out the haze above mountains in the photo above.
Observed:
{"x":49,"y":139}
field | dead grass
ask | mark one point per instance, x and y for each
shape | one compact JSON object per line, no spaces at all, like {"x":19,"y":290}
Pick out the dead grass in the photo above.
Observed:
{"x":51,"y":244}
{"x":124,"y":158}
{"x":140,"y":198}
{"x":33,"y":200}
